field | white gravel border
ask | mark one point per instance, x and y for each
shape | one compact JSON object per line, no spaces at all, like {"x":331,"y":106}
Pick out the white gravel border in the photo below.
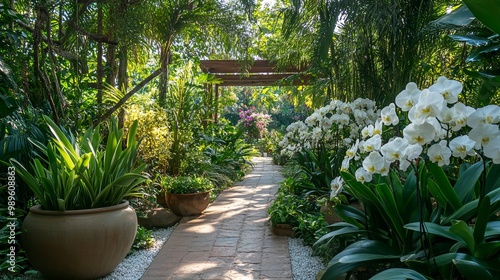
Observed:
{"x":305,"y":266}
{"x":134,"y":265}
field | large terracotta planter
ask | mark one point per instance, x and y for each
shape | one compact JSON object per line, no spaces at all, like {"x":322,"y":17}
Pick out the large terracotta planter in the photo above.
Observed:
{"x":78,"y":244}
{"x":188,"y":204}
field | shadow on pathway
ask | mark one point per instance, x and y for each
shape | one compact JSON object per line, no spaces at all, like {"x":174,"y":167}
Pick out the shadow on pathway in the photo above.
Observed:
{"x":232,"y":239}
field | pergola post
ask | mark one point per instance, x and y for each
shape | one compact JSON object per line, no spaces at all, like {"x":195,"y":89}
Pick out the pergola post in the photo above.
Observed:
{"x":216,"y":99}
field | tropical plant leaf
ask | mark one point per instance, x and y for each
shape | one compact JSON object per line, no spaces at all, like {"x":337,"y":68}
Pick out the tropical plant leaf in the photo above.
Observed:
{"x":492,"y":178}
{"x":467,"y":181}
{"x":470,"y":40}
{"x":483,"y":215}
{"x":348,"y":229}
{"x":435,"y":229}
{"x":351,"y":214}
{"x":388,"y":203}
{"x":464,"y":234}
{"x":363,"y":257}
{"x":442,"y":188}
{"x":398,"y":274}
{"x":460,"y":16}
{"x":473,"y":270}
{"x":367,"y":250}
{"x":486,"y":11}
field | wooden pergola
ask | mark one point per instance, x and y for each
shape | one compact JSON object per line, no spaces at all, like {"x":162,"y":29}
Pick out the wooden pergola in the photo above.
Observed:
{"x":256,"y":73}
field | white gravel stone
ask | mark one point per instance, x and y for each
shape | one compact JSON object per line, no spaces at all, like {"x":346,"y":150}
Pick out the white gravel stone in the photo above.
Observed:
{"x":134,"y":265}
{"x":305,"y":266}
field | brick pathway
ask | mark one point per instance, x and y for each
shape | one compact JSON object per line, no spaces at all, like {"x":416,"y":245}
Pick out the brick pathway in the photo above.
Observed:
{"x":232,"y":239}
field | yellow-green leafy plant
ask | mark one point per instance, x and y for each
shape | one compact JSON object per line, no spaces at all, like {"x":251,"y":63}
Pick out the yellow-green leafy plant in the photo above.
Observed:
{"x":155,"y":135}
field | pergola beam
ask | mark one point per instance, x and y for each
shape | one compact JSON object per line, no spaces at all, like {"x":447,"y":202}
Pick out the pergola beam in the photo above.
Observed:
{"x":257,"y":73}
{"x":234,"y":66}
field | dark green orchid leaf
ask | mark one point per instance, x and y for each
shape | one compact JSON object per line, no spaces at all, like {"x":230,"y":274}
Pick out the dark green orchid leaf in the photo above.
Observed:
{"x":397,"y":274}
{"x":472,"y":270}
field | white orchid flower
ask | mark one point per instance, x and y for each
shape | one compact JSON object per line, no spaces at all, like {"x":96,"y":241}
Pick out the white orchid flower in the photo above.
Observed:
{"x":345,"y":164}
{"x":363,"y":176}
{"x":439,"y":153}
{"x":373,"y":163}
{"x":430,"y":104}
{"x":456,"y":116}
{"x":367,"y":131}
{"x":395,"y":149}
{"x":462,"y":146}
{"x":389,"y":116}
{"x":377,"y":129}
{"x":373,"y":143}
{"x":326,"y":123}
{"x":489,"y":114}
{"x":492,"y":150}
{"x":482,"y":134}
{"x":449,"y":89}
{"x":419,"y":133}
{"x":351,"y":152}
{"x":407,"y":98}
{"x":336,"y":186}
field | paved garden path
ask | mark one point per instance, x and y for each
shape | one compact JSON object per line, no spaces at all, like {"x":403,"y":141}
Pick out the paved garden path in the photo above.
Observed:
{"x":232,"y":239}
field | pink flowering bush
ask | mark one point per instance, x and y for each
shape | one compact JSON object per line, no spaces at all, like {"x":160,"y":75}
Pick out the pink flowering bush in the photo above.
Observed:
{"x":254,"y":123}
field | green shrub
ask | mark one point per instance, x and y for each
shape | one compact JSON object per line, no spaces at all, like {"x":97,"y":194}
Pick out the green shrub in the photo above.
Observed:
{"x":186,"y":184}
{"x":143,"y":239}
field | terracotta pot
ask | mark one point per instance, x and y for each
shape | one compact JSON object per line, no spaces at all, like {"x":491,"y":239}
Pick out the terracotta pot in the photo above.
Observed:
{"x":160,"y":199}
{"x":78,"y":244}
{"x":283,"y":230}
{"x":188,"y":204}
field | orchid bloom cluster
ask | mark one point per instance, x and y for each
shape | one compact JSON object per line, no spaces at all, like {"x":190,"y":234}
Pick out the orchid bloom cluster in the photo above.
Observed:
{"x":334,"y":125}
{"x":254,"y":121}
{"x":439,"y":126}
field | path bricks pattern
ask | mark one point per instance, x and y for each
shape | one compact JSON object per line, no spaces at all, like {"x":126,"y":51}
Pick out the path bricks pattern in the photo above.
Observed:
{"x":232,"y":239}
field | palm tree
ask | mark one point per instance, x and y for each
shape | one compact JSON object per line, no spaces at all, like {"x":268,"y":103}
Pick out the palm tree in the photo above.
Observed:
{"x":364,"y":48}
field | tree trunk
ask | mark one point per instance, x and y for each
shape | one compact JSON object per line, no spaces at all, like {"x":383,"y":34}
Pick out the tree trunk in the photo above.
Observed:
{"x":164,"y":64}
{"x":111,"y":65}
{"x":122,"y":81}
{"x":42,"y":78}
{"x":99,"y":56}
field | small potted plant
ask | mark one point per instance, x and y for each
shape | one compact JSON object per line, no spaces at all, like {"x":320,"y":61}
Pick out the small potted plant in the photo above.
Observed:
{"x":83,"y":227}
{"x":284,"y":212}
{"x":187,"y":195}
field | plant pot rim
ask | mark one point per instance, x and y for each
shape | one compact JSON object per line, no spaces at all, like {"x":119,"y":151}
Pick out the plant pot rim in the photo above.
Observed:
{"x":37,"y":209}
{"x":188,"y":193}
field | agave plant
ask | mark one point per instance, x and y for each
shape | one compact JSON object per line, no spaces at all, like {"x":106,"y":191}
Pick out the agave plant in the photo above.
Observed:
{"x":84,"y":175}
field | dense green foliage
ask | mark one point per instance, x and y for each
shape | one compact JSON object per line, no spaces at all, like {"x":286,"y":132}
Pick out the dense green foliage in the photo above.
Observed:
{"x":85,"y":62}
{"x":186,"y":184}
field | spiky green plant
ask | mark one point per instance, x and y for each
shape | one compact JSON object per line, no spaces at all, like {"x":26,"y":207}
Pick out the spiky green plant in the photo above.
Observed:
{"x":84,"y":175}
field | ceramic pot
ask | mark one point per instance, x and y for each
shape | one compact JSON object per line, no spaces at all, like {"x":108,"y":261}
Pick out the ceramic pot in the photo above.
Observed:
{"x":78,"y":244}
{"x":188,"y":204}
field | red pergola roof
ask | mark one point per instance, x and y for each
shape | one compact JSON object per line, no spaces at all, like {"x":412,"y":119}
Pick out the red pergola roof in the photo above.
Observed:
{"x":256,"y":73}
